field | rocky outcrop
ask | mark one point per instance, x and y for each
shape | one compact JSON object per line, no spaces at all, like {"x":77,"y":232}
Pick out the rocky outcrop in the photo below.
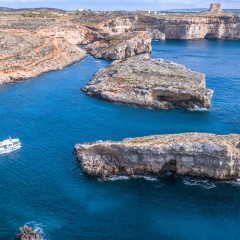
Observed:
{"x":118,"y":24}
{"x":26,"y":233}
{"x":25,"y":55}
{"x":121,"y":46}
{"x":196,"y":154}
{"x":152,"y":83}
{"x":156,"y":34}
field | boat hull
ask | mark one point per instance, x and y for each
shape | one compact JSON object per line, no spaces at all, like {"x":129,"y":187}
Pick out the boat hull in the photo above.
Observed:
{"x":8,"y":146}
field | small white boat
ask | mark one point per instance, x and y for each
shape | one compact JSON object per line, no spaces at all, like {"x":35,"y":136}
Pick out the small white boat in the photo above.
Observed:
{"x":9,"y":145}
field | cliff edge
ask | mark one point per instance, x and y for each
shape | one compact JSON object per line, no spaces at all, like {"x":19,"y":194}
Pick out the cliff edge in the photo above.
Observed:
{"x":196,"y":154}
{"x":152,"y":83}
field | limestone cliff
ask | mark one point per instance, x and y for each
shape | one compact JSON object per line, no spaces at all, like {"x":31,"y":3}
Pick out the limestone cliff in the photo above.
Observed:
{"x":49,"y":35}
{"x":117,"y":24}
{"x":196,"y":154}
{"x":121,"y":46}
{"x":152,"y":83}
{"x":194,"y":26}
{"x":74,"y":33}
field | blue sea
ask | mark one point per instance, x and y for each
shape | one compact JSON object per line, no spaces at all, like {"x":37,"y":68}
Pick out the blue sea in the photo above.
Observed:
{"x":42,"y":184}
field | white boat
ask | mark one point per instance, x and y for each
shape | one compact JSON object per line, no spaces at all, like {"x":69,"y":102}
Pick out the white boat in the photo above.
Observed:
{"x":9,"y":145}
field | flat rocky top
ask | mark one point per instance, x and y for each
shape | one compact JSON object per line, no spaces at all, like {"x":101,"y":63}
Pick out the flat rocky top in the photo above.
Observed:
{"x":153,"y":83}
{"x":197,"y":154}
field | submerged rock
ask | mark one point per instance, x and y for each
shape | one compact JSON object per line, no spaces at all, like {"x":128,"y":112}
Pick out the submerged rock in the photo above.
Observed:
{"x":26,"y":233}
{"x":152,"y":83}
{"x":121,"y":46}
{"x":196,"y":154}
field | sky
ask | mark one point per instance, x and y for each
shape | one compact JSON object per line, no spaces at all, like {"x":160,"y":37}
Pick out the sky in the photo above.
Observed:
{"x":118,"y":4}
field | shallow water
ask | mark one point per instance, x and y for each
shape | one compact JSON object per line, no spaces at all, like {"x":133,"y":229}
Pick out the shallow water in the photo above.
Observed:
{"x":42,"y":183}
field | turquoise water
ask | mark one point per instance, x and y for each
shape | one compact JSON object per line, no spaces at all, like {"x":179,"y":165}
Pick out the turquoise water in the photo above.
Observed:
{"x":41,"y":184}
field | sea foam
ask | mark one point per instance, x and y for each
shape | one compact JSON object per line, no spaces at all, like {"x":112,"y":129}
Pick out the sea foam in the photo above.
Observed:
{"x":203,"y":183}
{"x":124,"y":178}
{"x":38,"y":227}
{"x":198,"y":109}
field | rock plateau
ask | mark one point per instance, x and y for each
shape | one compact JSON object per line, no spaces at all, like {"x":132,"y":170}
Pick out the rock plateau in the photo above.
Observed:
{"x":152,"y":83}
{"x":196,"y":154}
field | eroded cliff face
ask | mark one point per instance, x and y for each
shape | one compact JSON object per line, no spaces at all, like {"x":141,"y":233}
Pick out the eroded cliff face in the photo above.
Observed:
{"x":118,"y":24}
{"x":196,"y":154}
{"x":152,"y":83}
{"x":73,"y":33}
{"x":121,"y":46}
{"x":195,"y":26}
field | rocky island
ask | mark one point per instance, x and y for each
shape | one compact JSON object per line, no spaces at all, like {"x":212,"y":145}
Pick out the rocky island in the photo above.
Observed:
{"x":152,"y":83}
{"x":196,"y":154}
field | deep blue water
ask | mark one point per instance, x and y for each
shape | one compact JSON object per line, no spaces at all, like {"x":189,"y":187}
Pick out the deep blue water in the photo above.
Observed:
{"x":43,"y":184}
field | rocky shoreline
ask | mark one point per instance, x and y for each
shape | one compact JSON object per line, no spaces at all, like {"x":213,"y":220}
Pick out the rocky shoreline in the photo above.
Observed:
{"x":196,"y":154}
{"x":34,"y":41}
{"x":152,"y":83}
